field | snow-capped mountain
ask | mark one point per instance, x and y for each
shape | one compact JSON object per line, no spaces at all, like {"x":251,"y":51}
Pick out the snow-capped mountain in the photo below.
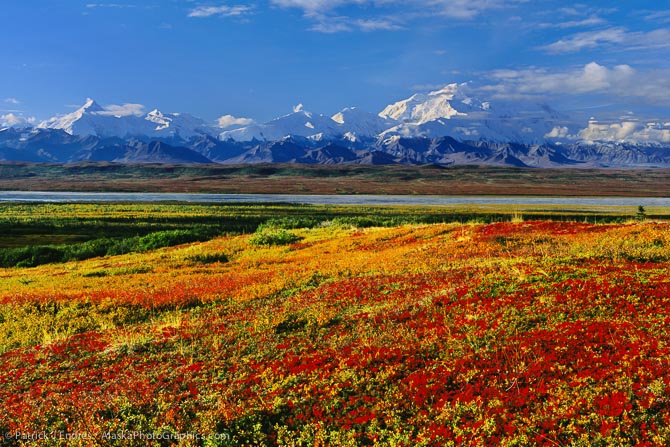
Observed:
{"x":93,"y":119}
{"x":451,"y":112}
{"x":179,"y":125}
{"x":451,"y":125}
{"x":57,"y":146}
{"x":441,"y":104}
{"x":299,"y":123}
{"x":351,"y":123}
{"x":358,"y":123}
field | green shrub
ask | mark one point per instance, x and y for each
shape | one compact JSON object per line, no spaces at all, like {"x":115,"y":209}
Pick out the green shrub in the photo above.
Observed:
{"x":288,"y":223}
{"x":641,"y":214}
{"x":357,"y":222}
{"x":33,"y":256}
{"x":123,"y":246}
{"x":96,"y":274}
{"x":273,"y":237}
{"x":161,"y":239}
{"x":211,"y":258}
{"x":87,"y":250}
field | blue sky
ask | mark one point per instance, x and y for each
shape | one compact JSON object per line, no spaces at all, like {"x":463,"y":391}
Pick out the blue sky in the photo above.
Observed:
{"x":257,"y":59}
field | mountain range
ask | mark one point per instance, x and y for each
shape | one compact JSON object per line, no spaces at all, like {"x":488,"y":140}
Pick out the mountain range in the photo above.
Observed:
{"x":444,"y":127}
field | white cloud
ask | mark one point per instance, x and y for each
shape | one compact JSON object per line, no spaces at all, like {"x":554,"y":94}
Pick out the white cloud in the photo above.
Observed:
{"x":558,"y":132}
{"x":14,"y":120}
{"x":656,"y":39}
{"x":109,"y":5}
{"x":569,"y":11}
{"x":626,"y":131}
{"x":586,"y":40}
{"x":659,"y":16}
{"x":329,"y":25}
{"x":617,"y":38}
{"x":467,"y":9}
{"x":533,"y":81}
{"x":377,"y":25}
{"x":620,"y":82}
{"x":324,"y":12}
{"x":298,"y":108}
{"x":590,"y":21}
{"x":123,"y":110}
{"x":12,"y":101}
{"x":228,"y":121}
{"x":581,"y":9}
{"x":222,"y":11}
{"x":315,"y":6}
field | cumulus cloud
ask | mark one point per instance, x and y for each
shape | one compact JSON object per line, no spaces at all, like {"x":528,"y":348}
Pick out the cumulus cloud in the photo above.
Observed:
{"x":621,"y":81}
{"x":592,"y":77}
{"x":12,"y":101}
{"x":616,"y":37}
{"x":16,"y":120}
{"x":558,"y":132}
{"x":123,"y":110}
{"x":625,"y":130}
{"x":230,"y":121}
{"x":221,"y":11}
{"x":633,"y":131}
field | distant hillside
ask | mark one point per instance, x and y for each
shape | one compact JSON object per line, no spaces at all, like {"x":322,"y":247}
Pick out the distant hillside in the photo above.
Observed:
{"x":333,"y":179}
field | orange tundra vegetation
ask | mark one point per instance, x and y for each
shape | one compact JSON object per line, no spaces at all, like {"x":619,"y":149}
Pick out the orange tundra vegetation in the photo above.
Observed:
{"x":511,"y":334}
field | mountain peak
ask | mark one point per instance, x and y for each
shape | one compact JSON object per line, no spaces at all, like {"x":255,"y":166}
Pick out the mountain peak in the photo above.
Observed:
{"x":91,"y":106}
{"x":93,"y":119}
{"x":155,"y":113}
{"x":351,"y":112}
{"x":340,"y":117}
{"x":161,"y":121}
{"x":422,"y":108}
